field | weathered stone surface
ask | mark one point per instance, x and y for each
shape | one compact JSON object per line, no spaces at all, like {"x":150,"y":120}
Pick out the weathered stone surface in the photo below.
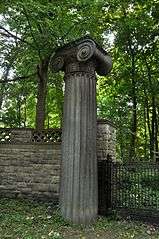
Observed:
{"x":27,"y":172}
{"x":82,"y":50}
{"x":106,"y":140}
{"x":79,"y":166}
{"x":25,"y":165}
{"x":79,"y":187}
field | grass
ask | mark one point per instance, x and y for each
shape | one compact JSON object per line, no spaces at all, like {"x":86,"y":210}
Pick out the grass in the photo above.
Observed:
{"x":21,"y":219}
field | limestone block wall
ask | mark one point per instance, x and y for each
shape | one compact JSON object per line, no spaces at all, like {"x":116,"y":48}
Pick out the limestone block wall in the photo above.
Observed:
{"x":30,"y":160}
{"x":30,"y":171}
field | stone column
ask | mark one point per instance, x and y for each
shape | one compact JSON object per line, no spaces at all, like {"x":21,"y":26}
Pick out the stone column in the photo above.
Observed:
{"x":78,"y":188}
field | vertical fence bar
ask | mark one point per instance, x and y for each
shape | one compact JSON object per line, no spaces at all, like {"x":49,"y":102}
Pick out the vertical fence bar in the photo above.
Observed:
{"x":113,"y":184}
{"x":104,"y":187}
{"x":109,"y":199}
{"x":115,"y":167}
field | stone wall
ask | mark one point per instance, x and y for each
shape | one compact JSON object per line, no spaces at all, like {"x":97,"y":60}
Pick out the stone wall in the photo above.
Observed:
{"x":106,"y":140}
{"x":30,"y":160}
{"x":30,"y":171}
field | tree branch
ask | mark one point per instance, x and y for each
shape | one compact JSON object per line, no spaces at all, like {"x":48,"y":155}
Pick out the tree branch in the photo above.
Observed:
{"x":18,"y":78}
{"x":9,"y":34}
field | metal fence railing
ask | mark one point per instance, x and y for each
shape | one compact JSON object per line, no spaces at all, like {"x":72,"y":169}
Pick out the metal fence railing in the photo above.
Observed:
{"x":135,"y":185}
{"x":128,"y":186}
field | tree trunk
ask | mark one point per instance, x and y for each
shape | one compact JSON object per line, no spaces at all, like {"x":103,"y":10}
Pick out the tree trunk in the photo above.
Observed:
{"x":152,"y":140}
{"x":145,"y":130}
{"x":18,"y":104}
{"x":1,"y":95}
{"x":155,"y":118}
{"x":154,"y":123}
{"x":156,"y":132}
{"x":134,"y":112}
{"x":2,"y":88}
{"x":25,"y":112}
{"x":148,"y":122}
{"x":42,"y":72}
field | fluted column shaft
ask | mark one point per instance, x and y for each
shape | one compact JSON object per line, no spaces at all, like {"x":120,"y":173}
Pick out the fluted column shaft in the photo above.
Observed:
{"x":78,"y":188}
{"x":78,"y":195}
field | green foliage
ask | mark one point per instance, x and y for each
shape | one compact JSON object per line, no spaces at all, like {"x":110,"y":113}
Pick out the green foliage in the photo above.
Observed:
{"x":151,"y":182}
{"x":128,"y":96}
{"x":36,"y":29}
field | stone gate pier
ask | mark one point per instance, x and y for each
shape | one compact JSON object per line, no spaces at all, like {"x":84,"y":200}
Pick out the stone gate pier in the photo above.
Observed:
{"x":78,"y":189}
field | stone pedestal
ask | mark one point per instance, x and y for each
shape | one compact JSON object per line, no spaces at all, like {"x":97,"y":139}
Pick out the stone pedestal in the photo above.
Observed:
{"x":78,"y":189}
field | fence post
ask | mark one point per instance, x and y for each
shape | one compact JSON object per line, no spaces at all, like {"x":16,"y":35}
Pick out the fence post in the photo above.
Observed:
{"x":104,"y":186}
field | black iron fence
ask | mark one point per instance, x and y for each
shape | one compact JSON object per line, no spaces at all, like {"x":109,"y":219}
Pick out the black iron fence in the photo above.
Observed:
{"x":129,"y":187}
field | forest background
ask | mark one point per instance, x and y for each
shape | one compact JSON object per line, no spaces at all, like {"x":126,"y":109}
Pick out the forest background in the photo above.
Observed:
{"x":32,"y":96}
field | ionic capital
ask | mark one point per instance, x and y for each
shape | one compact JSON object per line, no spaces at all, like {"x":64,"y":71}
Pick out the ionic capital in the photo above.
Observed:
{"x":81,"y":55}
